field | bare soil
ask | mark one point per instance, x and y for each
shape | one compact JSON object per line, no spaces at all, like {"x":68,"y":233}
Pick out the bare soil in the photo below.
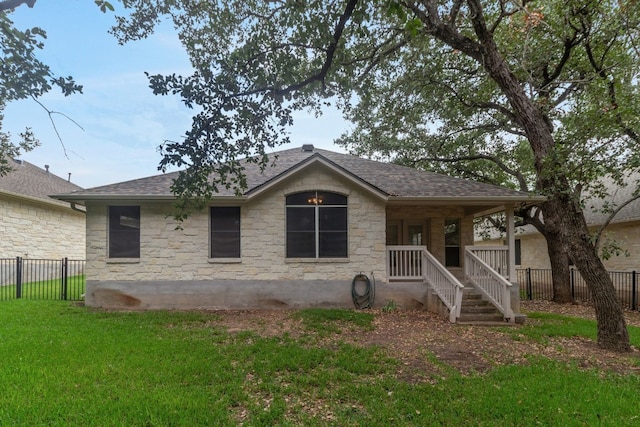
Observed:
{"x":429,"y":347}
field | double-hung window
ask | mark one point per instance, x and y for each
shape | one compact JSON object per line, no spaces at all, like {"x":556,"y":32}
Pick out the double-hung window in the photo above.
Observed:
{"x":124,"y":231}
{"x":225,"y":232}
{"x":317,"y":225}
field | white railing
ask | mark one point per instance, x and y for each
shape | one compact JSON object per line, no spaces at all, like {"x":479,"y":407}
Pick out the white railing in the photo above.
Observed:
{"x":416,"y":263}
{"x":445,"y":284}
{"x":489,"y":282}
{"x":405,"y":262}
{"x":496,"y":257}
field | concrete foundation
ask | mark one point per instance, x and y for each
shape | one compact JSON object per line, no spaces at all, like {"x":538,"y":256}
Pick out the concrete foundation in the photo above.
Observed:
{"x":245,"y":294}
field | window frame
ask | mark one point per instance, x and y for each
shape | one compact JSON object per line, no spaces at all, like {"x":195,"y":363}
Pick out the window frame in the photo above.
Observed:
{"x":117,"y":248}
{"x":216,"y":234}
{"x":322,"y":238}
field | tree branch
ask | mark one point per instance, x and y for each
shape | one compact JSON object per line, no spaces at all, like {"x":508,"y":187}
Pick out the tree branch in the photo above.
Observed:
{"x":501,"y":165}
{"x":12,"y":4}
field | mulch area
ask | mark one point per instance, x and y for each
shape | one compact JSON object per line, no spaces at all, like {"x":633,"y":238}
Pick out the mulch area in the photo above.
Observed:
{"x":428,"y":346}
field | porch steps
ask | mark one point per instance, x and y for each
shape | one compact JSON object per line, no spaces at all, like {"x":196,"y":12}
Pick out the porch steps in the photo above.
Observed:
{"x":478,"y":311}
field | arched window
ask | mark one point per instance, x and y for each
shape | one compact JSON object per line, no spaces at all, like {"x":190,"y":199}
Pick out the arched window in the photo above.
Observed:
{"x":317,"y":225}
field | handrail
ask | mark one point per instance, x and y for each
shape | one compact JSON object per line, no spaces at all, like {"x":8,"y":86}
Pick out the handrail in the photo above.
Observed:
{"x":416,"y":263}
{"x":445,"y":284}
{"x":490,"y":283}
{"x":497,"y":257}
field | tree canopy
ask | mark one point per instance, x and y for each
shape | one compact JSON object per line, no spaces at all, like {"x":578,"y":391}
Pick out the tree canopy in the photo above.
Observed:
{"x":543,"y":93}
{"x":23,"y":75}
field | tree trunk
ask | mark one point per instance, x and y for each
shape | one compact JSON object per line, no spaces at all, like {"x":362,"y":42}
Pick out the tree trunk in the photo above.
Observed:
{"x":557,"y":250}
{"x":612,"y":328}
{"x":560,"y":270}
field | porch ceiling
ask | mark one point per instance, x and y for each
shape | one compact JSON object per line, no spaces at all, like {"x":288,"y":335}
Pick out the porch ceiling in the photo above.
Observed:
{"x":471,"y":206}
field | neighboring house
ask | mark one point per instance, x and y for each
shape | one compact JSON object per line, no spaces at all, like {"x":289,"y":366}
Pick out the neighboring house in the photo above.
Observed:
{"x":34,"y":225}
{"x":623,"y":230}
{"x":297,"y":237}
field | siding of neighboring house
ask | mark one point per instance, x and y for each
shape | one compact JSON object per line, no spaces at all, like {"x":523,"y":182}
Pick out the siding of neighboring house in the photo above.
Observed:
{"x":33,"y":225}
{"x":625,"y":234}
{"x":32,"y":229}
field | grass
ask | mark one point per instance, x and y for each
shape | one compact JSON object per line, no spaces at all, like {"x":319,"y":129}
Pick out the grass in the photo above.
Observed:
{"x":68,"y":365}
{"x":542,"y":326}
{"x":47,"y":289}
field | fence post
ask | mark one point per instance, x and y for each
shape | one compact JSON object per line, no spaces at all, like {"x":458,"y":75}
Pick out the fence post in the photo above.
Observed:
{"x":64,"y":277}
{"x":634,"y":295}
{"x":529,"y":285}
{"x":18,"y":277}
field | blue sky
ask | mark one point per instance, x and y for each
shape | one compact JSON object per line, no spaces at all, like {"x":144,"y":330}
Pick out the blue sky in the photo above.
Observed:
{"x":122,"y":122}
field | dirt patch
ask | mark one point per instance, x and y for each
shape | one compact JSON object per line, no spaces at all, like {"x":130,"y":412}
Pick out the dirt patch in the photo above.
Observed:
{"x":428,"y":346}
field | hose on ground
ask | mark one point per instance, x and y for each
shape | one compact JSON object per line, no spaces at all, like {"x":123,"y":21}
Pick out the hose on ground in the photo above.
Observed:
{"x":366,"y":298}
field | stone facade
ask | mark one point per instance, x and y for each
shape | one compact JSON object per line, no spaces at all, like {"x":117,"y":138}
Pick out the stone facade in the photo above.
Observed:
{"x":32,"y":228}
{"x":624,"y":234}
{"x":174,"y":270}
{"x":180,"y":257}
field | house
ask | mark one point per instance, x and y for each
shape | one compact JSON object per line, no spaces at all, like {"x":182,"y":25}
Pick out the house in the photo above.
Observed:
{"x":623,"y":231}
{"x":34,"y":225}
{"x":299,"y":236}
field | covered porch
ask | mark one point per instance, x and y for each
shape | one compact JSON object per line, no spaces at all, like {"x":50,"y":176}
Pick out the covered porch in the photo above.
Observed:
{"x":436,"y":247}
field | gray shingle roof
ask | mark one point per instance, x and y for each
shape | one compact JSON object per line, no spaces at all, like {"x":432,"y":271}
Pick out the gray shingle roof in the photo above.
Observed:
{"x":393,"y":180}
{"x":594,"y":213}
{"x":27,"y":179}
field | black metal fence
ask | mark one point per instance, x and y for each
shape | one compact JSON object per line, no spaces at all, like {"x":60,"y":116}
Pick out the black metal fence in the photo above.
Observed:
{"x":57,"y":279}
{"x":536,"y":284}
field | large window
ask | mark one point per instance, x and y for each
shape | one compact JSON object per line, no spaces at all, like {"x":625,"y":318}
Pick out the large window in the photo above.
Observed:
{"x":124,"y":231}
{"x":316,"y":225}
{"x":225,"y":232}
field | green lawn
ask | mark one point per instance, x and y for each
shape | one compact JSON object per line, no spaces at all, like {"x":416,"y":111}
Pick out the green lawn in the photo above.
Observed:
{"x":63,"y":365}
{"x":47,"y":289}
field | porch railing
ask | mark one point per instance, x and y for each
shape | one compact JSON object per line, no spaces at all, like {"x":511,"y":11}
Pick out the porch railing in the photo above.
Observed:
{"x":416,"y":263}
{"x":496,"y":257}
{"x":444,"y":284}
{"x":405,"y":262}
{"x":489,"y":282}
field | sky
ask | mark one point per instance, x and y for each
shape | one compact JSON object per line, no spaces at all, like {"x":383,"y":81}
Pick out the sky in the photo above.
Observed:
{"x":111,"y":132}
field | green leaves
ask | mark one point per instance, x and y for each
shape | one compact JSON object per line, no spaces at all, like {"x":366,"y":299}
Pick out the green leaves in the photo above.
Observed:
{"x":104,"y":6}
{"x":23,"y":75}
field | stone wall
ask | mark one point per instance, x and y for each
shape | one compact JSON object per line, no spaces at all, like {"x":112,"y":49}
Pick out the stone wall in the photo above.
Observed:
{"x":182,"y":255}
{"x":31,"y":229}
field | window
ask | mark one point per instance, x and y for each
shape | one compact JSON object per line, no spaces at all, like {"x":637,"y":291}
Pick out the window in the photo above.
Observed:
{"x":225,"y":232}
{"x":518,"y":254}
{"x":124,"y":231}
{"x":452,"y":242}
{"x":316,"y":225}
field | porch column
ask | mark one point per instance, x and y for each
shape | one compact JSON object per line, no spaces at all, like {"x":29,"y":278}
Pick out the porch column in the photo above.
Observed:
{"x":511,"y":242}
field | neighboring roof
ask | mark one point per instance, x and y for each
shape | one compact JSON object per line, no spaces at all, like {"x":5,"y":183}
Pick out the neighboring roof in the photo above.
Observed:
{"x":388,"y":180}
{"x":594,"y":213}
{"x":28,"y":181}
